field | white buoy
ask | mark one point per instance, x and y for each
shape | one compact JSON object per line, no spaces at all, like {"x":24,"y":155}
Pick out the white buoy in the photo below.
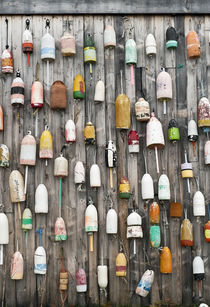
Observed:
{"x":150,"y":43}
{"x":41,"y":199}
{"x":40,"y":263}
{"x":111,"y":221}
{"x":79,"y":173}
{"x":134,"y":229}
{"x":102,"y":276}
{"x":95,"y":176}
{"x":199,"y":204}
{"x":99,"y":92}
{"x":164,"y":188}
{"x":4,"y":234}
{"x":145,"y":283}
{"x":70,"y":131}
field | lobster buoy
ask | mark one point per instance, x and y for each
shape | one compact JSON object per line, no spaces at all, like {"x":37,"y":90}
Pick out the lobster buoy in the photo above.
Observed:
{"x":91,"y":222}
{"x":111,"y":221}
{"x":186,"y":171}
{"x":193,"y":45}
{"x":147,"y":187}
{"x":154,"y":213}
{"x":6,"y":57}
{"x":61,"y":167}
{"x":60,"y":229}
{"x":40,"y":261}
{"x":164,"y":188}
{"x":171,"y":38}
{"x":198,"y":268}
{"x":27,"y":220}
{"x":70,"y":131}
{"x":203,"y":305}
{"x":68,"y":44}
{"x":4,"y":156}
{"x":89,"y":52}
{"x":102,"y":276}
{"x":58,"y":98}
{"x":154,"y":233}
{"x":89,"y":134}
{"x":47,"y":45}
{"x":133,"y":141}
{"x":173,"y":131}
{"x":207,"y":152}
{"x":99,"y":92}
{"x":134,"y":229}
{"x":124,"y":188}
{"x":16,"y":272}
{"x":79,"y":87}
{"x":199,"y":204}
{"x":17,"y":90}
{"x":121,"y":264}
{"x":4,"y":229}
{"x":150,"y":43}
{"x":145,"y":283}
{"x":142,"y":109}
{"x":27,"y":42}
{"x":109,"y":37}
{"x":204,"y":113}
{"x":1,"y":119}
{"x":16,"y":187}
{"x":81,"y":280}
{"x":186,"y":233}
{"x":37,"y":95}
{"x":41,"y":199}
{"x":164,"y":88}
{"x":131,"y":56}
{"x":46,"y":145}
{"x":175,"y":209}
{"x":192,"y":131}
{"x":111,"y":154}
{"x":122,"y":111}
{"x":165,"y":261}
{"x":79,"y":173}
{"x":95,"y":176}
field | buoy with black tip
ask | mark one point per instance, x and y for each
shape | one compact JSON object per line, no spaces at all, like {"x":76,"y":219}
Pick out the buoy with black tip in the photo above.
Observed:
{"x":186,"y":232}
{"x":198,"y":271}
{"x":145,"y":283}
{"x":121,"y":265}
{"x":79,"y":87}
{"x":41,"y":199}
{"x":90,"y":53}
{"x":27,"y":154}
{"x":207,"y":153}
{"x":134,"y":228}
{"x":187,"y":171}
{"x":4,"y":232}
{"x":151,"y":47}
{"x":109,"y":37}
{"x":95,"y":176}
{"x":192,"y":133}
{"x":16,"y":187}
{"x":91,"y":222}
{"x":147,"y":186}
{"x":173,"y":131}
{"x":48,"y":50}
{"x":68,"y":42}
{"x":4,"y":156}
{"x":171,"y":38}
{"x":111,"y":159}
{"x":6,"y":57}
{"x":154,"y":136}
{"x":89,"y":134}
{"x":154,"y":218}
{"x":40,"y":262}
{"x":164,"y":88}
{"x":46,"y":145}
{"x":99,"y":92}
{"x":17,"y":265}
{"x":193,"y":45}
{"x":111,"y":219}
{"x":133,"y":141}
{"x":131,"y":56}
{"x":27,"y":41}
{"x":79,"y":173}
{"x":70,"y":131}
{"x":207,"y":227}
{"x":17,"y":90}
{"x":26,"y":221}
{"x":81,"y":280}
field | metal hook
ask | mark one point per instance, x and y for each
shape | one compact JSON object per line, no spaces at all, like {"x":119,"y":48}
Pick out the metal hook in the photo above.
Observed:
{"x":47,"y":24}
{"x":27,"y":23}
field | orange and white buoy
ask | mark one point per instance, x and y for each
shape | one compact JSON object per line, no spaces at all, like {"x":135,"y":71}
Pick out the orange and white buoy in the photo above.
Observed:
{"x":6,"y":57}
{"x":27,"y":41}
{"x":193,"y":45}
{"x":68,"y":42}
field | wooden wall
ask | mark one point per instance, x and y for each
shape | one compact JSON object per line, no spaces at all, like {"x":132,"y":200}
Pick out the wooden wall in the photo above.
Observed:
{"x":177,"y":288}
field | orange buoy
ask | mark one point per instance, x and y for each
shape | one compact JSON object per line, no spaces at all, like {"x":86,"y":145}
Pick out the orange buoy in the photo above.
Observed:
{"x":193,"y":45}
{"x":154,"y":213}
{"x":165,"y":261}
{"x":186,"y":232}
{"x":58,"y":98}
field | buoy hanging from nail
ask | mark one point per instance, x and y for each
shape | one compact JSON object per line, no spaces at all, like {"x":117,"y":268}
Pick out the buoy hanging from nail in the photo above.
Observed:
{"x":193,"y":45}
{"x":89,"y":53}
{"x":58,"y":95}
{"x":198,"y":272}
{"x":133,"y":141}
{"x":79,"y":173}
{"x":111,"y":159}
{"x":186,"y":232}
{"x":102,"y":276}
{"x":46,"y":145}
{"x":165,"y":261}
{"x":109,"y":37}
{"x":16,"y":186}
{"x":70,"y":131}
{"x":150,"y":44}
{"x":89,"y":134}
{"x":145,"y":283}
{"x":207,"y":153}
{"x":171,"y":38}
{"x":28,"y":154}
{"x":199,"y":204}
{"x":131,"y":56}
{"x":26,"y":221}
{"x":154,"y":136}
{"x":95,"y":176}
{"x":91,"y":222}
{"x":164,"y":88}
{"x":40,"y":261}
{"x":17,"y":91}
{"x":99,"y":92}
{"x":192,"y":132}
{"x":27,"y":41}
{"x":125,"y":190}
{"x":173,"y":131}
{"x":164,"y":188}
{"x":134,"y":228}
{"x":111,"y":221}
{"x":4,"y":156}
{"x":4,"y":232}
{"x":175,"y":207}
{"x":81,"y":280}
{"x":187,"y":171}
{"x":79,"y":87}
{"x":147,"y":186}
{"x":17,"y":266}
{"x":68,"y":42}
{"x":142,"y":109}
{"x":154,"y":218}
{"x":121,"y":265}
{"x":6,"y":57}
{"x":41,"y":199}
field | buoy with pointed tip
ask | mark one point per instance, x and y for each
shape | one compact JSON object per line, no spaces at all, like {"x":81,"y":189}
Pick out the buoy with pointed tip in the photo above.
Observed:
{"x":41,"y":199}
{"x":27,"y":221}
{"x":165,"y":261}
{"x":173,"y":131}
{"x":204,"y":113}
{"x":147,"y":187}
{"x":17,"y":265}
{"x":102,"y":276}
{"x":4,"y":156}
{"x":99,"y":92}
{"x":192,"y":132}
{"x":6,"y":57}
{"x":193,"y":45}
{"x":16,"y":187}
{"x":164,"y":88}
{"x":58,"y":95}
{"x":171,"y":38}
{"x":124,"y":188}
{"x":207,"y":153}
{"x":89,"y":134}
{"x":27,"y":41}
{"x":95,"y":176}
{"x":134,"y":229}
{"x":89,"y":53}
{"x":111,"y":159}
{"x":186,"y":171}
{"x":79,"y":87}
{"x":145,"y":283}
{"x":131,"y":56}
{"x":164,"y":188}
{"x":40,"y":263}
{"x":46,"y":145}
{"x":4,"y":232}
{"x":109,"y":37}
{"x":91,"y":222}
{"x":81,"y":280}
{"x":154,"y":136}
{"x":150,"y":43}
{"x":111,"y":221}
{"x":207,"y":227}
{"x":79,"y":173}
{"x":133,"y":141}
{"x":70,"y":131}
{"x":121,"y":265}
{"x":198,"y":272}
{"x":142,"y":109}
{"x":186,"y":232}
{"x":68,"y":43}
{"x":199,"y":204}
{"x":1,"y":119}
{"x":17,"y":91}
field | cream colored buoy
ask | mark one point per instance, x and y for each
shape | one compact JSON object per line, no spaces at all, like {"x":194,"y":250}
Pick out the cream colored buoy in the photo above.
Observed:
{"x":109,"y":37}
{"x":4,"y":156}
{"x":4,"y":233}
{"x":68,"y":42}
{"x":95,"y":176}
{"x":164,"y":188}
{"x":111,"y":221}
{"x":61,"y":167}
{"x":164,"y":88}
{"x":70,"y":131}
{"x":99,"y":92}
{"x":206,"y":153}
{"x":79,"y":173}
{"x":16,"y":186}
{"x":199,"y":204}
{"x":150,"y":43}
{"x":147,"y":187}
{"x":102,"y":276}
{"x":91,"y":222}
{"x":41,"y":199}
